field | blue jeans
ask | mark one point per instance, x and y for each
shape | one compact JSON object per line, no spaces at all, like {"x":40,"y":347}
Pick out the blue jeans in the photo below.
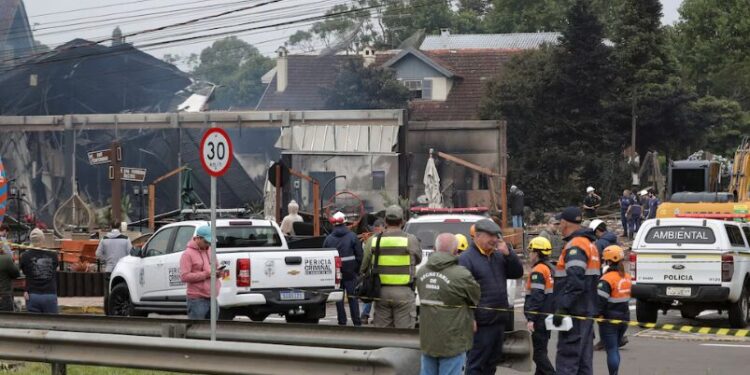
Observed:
{"x":611,"y":337}
{"x":366,"y":308}
{"x":348,"y":286}
{"x":199,"y":308}
{"x":442,"y":365}
{"x":42,"y":303}
{"x":517,"y":221}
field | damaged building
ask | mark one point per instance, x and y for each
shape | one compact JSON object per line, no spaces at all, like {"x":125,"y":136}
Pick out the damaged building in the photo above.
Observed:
{"x":83,"y":77}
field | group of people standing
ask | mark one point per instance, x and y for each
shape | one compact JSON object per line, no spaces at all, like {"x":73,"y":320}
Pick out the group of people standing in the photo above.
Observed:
{"x":575,"y":286}
{"x":636,"y":208}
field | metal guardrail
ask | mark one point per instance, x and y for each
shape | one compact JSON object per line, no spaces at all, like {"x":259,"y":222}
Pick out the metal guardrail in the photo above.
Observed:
{"x":199,"y":356}
{"x":516,"y":348}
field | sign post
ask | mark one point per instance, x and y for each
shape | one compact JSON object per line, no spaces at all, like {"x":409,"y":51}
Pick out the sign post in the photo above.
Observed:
{"x":216,"y":157}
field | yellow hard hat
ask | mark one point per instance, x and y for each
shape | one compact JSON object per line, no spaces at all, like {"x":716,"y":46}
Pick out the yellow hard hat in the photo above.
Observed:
{"x":473,"y":231}
{"x":541,"y":245}
{"x":463,"y":243}
{"x":613,"y":253}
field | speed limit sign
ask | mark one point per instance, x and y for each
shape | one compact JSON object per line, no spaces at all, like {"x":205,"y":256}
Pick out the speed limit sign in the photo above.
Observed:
{"x":216,"y":152}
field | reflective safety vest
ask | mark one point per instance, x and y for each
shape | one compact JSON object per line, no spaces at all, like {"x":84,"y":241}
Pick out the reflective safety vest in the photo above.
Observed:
{"x":546,"y":283}
{"x":591,"y":264}
{"x":394,"y":261}
{"x":617,"y":289}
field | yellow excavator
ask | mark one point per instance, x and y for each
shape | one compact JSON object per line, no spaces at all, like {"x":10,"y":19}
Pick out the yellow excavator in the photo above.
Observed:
{"x":698,"y":188}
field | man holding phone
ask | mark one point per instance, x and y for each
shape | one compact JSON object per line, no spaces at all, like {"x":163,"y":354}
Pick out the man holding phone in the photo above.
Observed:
{"x":195,"y":271}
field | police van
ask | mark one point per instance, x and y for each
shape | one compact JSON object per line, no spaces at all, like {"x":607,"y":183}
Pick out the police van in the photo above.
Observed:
{"x":692,"y":265}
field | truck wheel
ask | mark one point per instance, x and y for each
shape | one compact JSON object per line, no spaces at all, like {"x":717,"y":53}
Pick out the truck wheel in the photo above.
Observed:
{"x":257,"y":317}
{"x":646,"y":312}
{"x":227,"y":314}
{"x":739,"y":312}
{"x":120,"y":303}
{"x":301,"y":319}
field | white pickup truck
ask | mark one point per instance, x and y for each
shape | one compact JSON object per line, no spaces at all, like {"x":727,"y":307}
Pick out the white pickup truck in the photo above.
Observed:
{"x":262,"y":275}
{"x":692,"y":265}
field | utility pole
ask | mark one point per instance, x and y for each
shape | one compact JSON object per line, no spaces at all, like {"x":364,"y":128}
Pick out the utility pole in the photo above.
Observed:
{"x":115,"y":176}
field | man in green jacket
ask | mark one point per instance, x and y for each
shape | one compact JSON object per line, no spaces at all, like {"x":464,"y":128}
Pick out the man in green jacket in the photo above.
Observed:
{"x":8,"y":272}
{"x":446,"y":321}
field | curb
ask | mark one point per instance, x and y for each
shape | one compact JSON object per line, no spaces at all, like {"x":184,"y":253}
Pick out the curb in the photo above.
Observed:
{"x":84,"y":310}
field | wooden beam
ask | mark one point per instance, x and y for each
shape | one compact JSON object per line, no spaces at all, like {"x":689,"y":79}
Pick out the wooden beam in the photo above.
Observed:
{"x":151,"y":207}
{"x":467,"y":164}
{"x":169,"y":174}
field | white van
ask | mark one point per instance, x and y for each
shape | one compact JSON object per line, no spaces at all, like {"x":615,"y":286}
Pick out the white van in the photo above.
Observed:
{"x":692,"y":265}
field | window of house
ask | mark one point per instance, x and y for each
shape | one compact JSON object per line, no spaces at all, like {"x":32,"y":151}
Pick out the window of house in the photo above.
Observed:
{"x":378,"y":180}
{"x":415,"y":88}
{"x":484,"y":184}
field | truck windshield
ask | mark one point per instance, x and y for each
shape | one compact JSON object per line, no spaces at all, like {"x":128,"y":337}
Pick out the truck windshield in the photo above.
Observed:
{"x":247,"y":236}
{"x":426,"y":232}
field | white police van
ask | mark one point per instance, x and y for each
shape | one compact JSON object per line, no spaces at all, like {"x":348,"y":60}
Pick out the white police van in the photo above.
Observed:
{"x":692,"y":265}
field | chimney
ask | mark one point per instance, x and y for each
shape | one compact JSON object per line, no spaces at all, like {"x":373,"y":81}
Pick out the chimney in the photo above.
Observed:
{"x":368,"y":55}
{"x":445,"y":32}
{"x":282,"y":69}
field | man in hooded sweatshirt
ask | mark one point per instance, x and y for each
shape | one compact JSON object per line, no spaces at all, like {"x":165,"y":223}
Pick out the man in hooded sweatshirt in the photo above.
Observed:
{"x":195,"y":271}
{"x":40,"y":268}
{"x":287,"y":224}
{"x":350,"y":252}
{"x":113,"y":247}
{"x":604,"y":238}
{"x":446,"y":321}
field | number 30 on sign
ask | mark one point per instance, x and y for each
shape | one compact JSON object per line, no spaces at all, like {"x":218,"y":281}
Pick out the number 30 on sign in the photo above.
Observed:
{"x":216,"y":152}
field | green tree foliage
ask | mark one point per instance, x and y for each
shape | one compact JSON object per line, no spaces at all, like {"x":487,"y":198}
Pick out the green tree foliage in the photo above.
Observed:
{"x":348,"y":27}
{"x":648,"y":75}
{"x":713,"y":44}
{"x":554,"y":100}
{"x":724,"y":121}
{"x":509,"y":16}
{"x":236,"y":66}
{"x":404,"y":18}
{"x":360,"y":87}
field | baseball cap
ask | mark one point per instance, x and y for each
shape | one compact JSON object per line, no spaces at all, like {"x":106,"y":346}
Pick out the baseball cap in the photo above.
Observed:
{"x":570,"y":214}
{"x":204,"y":232}
{"x":487,"y":226}
{"x":394,"y":212}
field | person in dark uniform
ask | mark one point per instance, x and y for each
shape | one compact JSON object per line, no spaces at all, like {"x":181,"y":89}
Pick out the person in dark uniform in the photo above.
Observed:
{"x":576,"y":277}
{"x":591,"y":203}
{"x":350,"y":252}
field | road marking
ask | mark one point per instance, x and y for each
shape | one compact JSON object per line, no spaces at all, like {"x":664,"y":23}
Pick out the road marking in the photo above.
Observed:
{"x":727,"y":345}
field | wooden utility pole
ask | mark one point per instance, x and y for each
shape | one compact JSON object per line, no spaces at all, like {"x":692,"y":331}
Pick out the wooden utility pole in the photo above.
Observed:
{"x":116,"y":177}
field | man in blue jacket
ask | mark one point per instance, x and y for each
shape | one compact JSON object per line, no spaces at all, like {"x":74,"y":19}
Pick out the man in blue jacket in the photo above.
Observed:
{"x":350,"y":251}
{"x":604,"y":238}
{"x":491,"y":263}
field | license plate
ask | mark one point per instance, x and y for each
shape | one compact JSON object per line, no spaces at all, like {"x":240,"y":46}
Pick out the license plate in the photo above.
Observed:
{"x":291,"y":296}
{"x":678,"y":292}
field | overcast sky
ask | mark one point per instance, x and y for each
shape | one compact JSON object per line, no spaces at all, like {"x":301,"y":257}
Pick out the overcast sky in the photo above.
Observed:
{"x":58,"y":21}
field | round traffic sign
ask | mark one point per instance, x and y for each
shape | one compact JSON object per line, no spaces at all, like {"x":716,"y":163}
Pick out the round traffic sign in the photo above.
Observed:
{"x":216,"y":151}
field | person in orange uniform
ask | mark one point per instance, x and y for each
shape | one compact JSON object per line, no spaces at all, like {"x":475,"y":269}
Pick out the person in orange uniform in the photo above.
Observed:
{"x":614,"y":294}
{"x":539,"y":302}
{"x":576,"y":276}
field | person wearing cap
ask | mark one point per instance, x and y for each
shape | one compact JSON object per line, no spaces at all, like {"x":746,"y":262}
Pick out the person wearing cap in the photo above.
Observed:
{"x":446,"y":322}
{"x":491,"y":263}
{"x":40,"y":268}
{"x":350,"y":252}
{"x":377,"y":228}
{"x":195,"y":271}
{"x":604,"y":237}
{"x":576,"y":276}
{"x":287,"y":224}
{"x":8,"y":273}
{"x":516,"y":206}
{"x":591,"y":203}
{"x":396,"y":255}
{"x":539,"y":302}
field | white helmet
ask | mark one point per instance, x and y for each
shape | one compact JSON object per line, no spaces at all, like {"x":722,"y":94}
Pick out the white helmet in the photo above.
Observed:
{"x":596,"y":223}
{"x":590,"y":189}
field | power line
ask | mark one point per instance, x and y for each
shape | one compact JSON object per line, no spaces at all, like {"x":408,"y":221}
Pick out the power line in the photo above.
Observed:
{"x":91,"y":8}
